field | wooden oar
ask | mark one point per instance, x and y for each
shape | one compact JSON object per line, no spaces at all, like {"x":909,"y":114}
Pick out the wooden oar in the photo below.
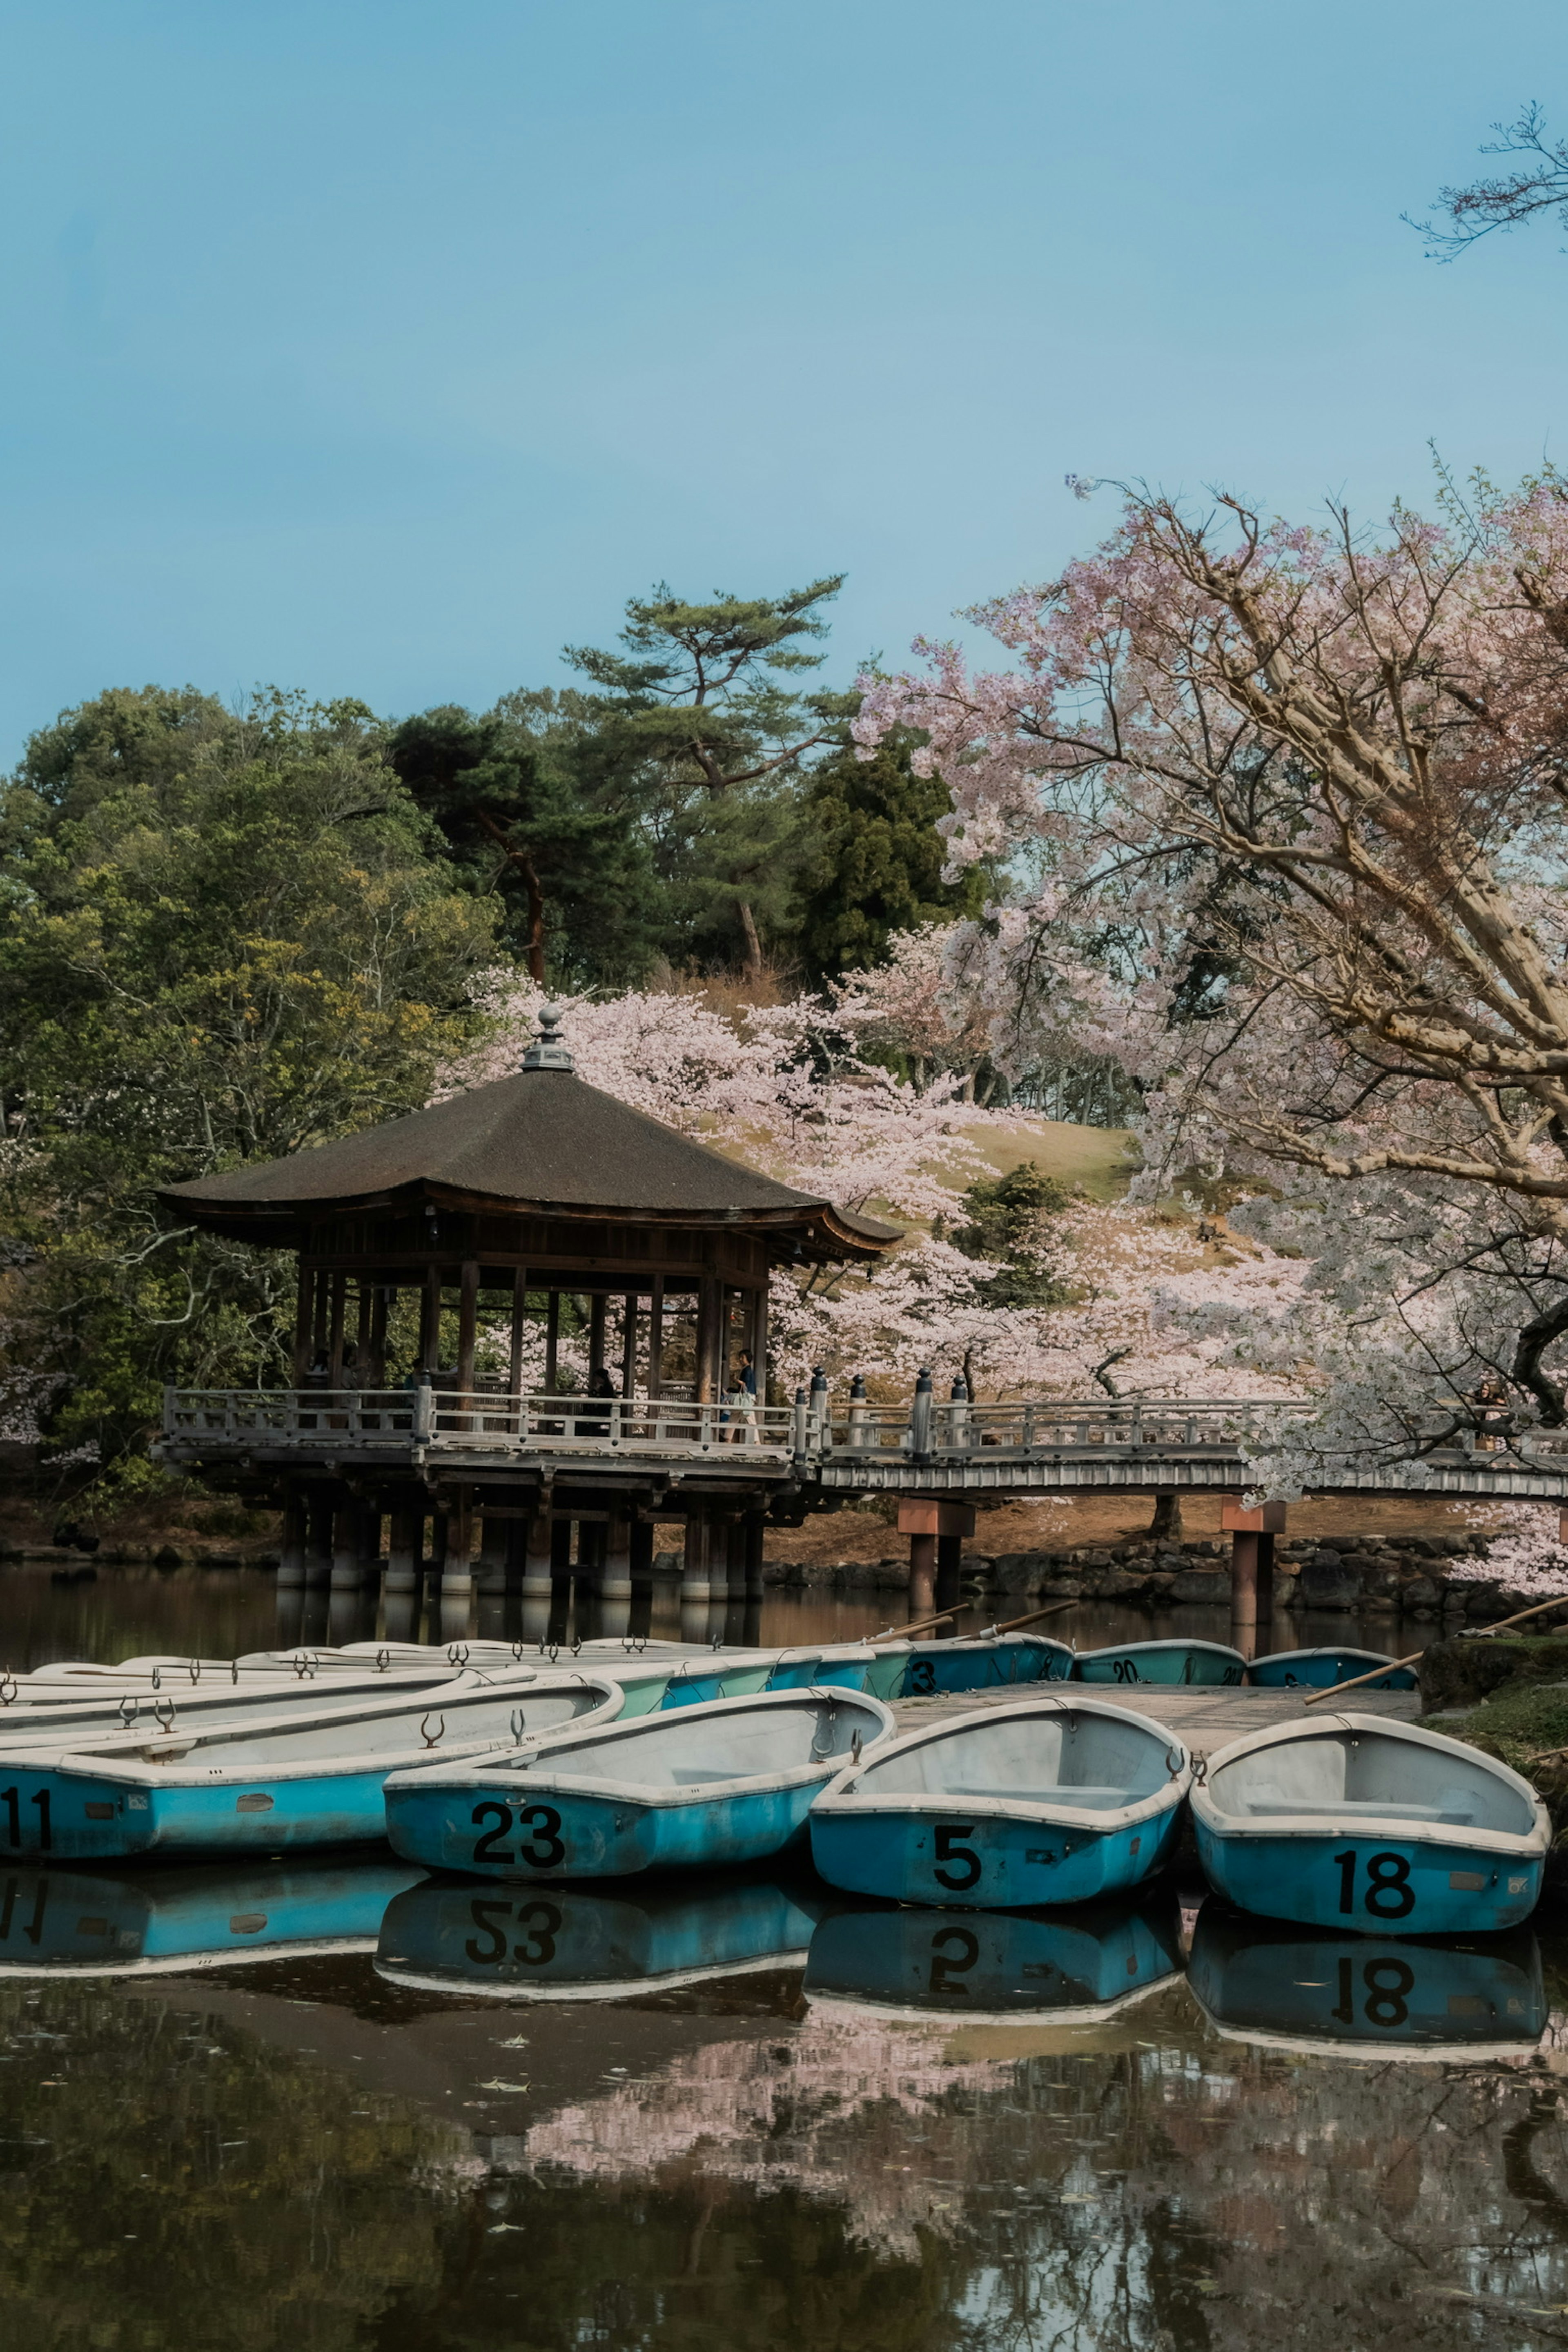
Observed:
{"x":1032,"y":1618}
{"x":1501,"y":1627}
{"x":920,"y":1625}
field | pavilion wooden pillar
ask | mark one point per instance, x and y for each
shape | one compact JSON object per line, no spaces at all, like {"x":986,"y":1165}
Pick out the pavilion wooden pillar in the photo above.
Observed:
{"x":430,"y":1321}
{"x":760,"y":1342}
{"x":321,"y":1313}
{"x":656,"y":1338}
{"x":629,"y":1345}
{"x":304,"y":1323}
{"x":596,"y":1332}
{"x":339,"y":1283}
{"x":552,"y":1339}
{"x":519,"y":1325}
{"x":709,"y":1337}
{"x":1252,"y":1534}
{"x":375,"y":1371}
{"x":361,"y":1331}
{"x":468,"y":1322}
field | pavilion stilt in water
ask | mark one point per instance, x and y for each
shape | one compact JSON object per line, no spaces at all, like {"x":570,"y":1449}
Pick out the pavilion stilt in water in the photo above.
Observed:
{"x":289,"y":1621}
{"x":491,"y":1579}
{"x":403,"y":1548}
{"x":536,"y":1561}
{"x":696,"y":1579}
{"x":399,"y":1610}
{"x":370,"y":1566}
{"x":922,"y":1575}
{"x":291,"y":1556}
{"x":756,"y":1526}
{"x":930,"y":1527}
{"x":458,"y":1571}
{"x":949,"y":1570}
{"x":318,"y":1544}
{"x":616,"y":1581}
{"x":345,"y":1569}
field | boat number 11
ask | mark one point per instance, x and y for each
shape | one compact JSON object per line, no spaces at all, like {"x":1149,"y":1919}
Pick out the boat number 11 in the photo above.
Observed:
{"x":1388,"y":1894}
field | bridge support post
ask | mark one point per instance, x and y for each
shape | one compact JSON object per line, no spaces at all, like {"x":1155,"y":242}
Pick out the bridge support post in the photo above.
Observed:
{"x":753,"y":1526}
{"x":936,"y":1533}
{"x":402,"y":1550}
{"x":696,"y":1579}
{"x":458,"y":1572}
{"x":1252,"y":1534}
{"x":536,"y":1557}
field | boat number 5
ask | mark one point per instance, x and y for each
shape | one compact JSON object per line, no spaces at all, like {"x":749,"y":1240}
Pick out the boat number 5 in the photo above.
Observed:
{"x":1389,"y":1893}
{"x":950,"y":1849}
{"x":540,"y":1823}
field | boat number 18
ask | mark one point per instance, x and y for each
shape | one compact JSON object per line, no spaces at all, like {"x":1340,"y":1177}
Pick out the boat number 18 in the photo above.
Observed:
{"x":1388,"y":1894}
{"x":539,"y":1826}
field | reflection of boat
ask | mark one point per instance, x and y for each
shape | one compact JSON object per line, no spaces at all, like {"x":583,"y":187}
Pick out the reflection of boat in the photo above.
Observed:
{"x":982,"y":1663}
{"x":1161,"y":1662}
{"x":1048,"y":1800}
{"x":1324,"y":1669}
{"x":575,"y":1943}
{"x":728,"y":1783}
{"x":312,"y":1777}
{"x":139,"y":1923}
{"x":1370,"y":1826}
{"x":1289,"y":1987}
{"x":992,"y":1966}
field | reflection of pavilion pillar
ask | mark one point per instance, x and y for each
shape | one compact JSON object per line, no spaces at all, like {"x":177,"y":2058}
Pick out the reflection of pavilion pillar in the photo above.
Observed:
{"x":491,"y":1578}
{"x":936,"y":1533}
{"x":615,"y":1585}
{"x":370,"y":1547}
{"x":318,"y":1543}
{"x":404,"y":1532}
{"x":536,"y":1557}
{"x":754,"y":1526}
{"x":457,"y":1573}
{"x":695,"y":1579}
{"x":640,"y":1555}
{"x":1252,"y":1535}
{"x":346,"y":1541}
{"x":291,"y":1552}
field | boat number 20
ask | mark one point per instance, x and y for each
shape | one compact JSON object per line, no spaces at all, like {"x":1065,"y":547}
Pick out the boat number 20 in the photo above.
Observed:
{"x":538,"y":1825}
{"x":1388,"y":1894}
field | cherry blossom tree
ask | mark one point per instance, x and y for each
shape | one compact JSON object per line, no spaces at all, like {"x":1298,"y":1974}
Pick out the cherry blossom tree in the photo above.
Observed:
{"x":1291,"y":806}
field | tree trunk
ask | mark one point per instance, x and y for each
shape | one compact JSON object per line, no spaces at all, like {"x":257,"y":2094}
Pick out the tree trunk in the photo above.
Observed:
{"x":532,"y":884}
{"x":753,"y":944}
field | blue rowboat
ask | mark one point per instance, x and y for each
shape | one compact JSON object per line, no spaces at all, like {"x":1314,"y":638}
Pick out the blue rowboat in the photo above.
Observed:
{"x":144,"y":1922}
{"x":1325,"y":1669}
{"x":710,"y":1675}
{"x":843,"y":1665}
{"x":577,"y":1943}
{"x":995,"y":1966}
{"x":1181,"y":1662}
{"x":308,"y":1777}
{"x":59,"y":1720}
{"x":1373,"y":1827}
{"x":1048,"y":1800}
{"x":728,"y":1783}
{"x":983,"y":1663}
{"x":1304,"y":1989}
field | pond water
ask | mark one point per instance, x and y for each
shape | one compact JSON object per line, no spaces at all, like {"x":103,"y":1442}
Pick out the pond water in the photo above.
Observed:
{"x":336,"y":2103}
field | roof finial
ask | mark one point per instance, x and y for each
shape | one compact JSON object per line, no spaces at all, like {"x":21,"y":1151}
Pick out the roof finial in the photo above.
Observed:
{"x":547,"y":1052}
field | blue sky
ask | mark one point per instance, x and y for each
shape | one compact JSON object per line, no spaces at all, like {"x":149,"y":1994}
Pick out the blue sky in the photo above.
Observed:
{"x":382,"y":348}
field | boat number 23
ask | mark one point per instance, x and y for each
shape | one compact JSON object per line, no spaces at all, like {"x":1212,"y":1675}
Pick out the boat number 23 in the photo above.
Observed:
{"x":538,"y":1827}
{"x":1388,"y":1894}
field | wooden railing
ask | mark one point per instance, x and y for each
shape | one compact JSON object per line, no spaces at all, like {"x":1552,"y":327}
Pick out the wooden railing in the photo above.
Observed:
{"x":814,"y":1430}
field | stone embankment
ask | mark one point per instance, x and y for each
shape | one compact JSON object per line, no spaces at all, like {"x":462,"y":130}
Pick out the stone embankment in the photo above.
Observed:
{"x":1394,"y":1575}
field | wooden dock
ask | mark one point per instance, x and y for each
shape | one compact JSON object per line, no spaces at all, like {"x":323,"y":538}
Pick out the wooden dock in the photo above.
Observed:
{"x":1205,"y":1719}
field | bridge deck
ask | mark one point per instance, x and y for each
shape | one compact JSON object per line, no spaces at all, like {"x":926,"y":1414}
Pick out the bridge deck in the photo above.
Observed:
{"x":1204,"y":1719}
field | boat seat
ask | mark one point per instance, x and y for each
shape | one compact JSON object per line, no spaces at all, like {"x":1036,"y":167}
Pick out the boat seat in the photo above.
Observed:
{"x":1102,"y":1800}
{"x":1385,"y":1809}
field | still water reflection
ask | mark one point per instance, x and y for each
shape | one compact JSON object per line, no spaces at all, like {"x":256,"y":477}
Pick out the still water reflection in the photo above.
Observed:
{"x":338,"y":2104}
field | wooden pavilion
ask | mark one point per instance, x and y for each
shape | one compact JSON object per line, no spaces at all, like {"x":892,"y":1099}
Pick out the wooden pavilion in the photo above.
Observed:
{"x":532,"y":1207}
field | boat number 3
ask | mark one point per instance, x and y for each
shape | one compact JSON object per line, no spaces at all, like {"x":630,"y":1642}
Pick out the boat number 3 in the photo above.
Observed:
{"x":1389,"y":1893}
{"x":958,"y":1864}
{"x":539,"y":1923}
{"x":953,"y":1954}
{"x":922,"y":1676}
{"x":1124,"y":1669}
{"x":1386,"y":1983}
{"x":537,"y":1825}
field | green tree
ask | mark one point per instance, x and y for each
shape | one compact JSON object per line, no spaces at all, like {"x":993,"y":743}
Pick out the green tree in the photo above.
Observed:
{"x":875,"y":858}
{"x":223,"y":937}
{"x":529,"y":815}
{"x":1009,"y":1220}
{"x":700,"y":710}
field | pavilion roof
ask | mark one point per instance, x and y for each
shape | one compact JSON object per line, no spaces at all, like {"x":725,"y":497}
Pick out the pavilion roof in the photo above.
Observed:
{"x":541,"y":1142}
